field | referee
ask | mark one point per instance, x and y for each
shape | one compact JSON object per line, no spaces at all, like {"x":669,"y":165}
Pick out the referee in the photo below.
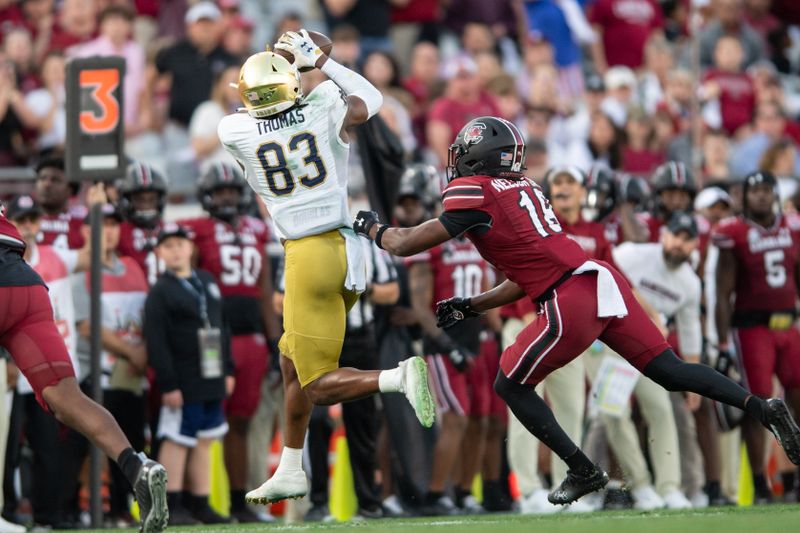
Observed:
{"x":360,"y":350}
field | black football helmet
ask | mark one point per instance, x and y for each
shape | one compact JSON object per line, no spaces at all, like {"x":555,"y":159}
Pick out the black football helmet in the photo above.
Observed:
{"x":673,"y":175}
{"x":421,"y":181}
{"x":601,"y":193}
{"x":140,"y":177}
{"x":756,"y":178}
{"x":219,"y":176}
{"x":488,"y":146}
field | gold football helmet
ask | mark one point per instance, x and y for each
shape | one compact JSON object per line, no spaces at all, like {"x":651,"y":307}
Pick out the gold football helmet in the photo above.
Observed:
{"x":268,"y":84}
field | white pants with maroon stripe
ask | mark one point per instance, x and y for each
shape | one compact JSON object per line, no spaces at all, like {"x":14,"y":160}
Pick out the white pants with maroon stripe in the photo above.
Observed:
{"x":566,"y":393}
{"x":656,"y":408}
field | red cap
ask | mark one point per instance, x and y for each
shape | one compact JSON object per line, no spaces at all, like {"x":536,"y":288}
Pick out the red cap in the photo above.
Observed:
{"x":240,"y":23}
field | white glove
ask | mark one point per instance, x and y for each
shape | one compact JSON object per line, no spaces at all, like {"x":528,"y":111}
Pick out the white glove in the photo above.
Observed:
{"x":300,"y":45}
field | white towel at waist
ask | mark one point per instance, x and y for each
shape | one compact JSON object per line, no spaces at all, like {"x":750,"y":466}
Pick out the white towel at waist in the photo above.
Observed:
{"x":356,"y":278}
{"x":609,"y":299}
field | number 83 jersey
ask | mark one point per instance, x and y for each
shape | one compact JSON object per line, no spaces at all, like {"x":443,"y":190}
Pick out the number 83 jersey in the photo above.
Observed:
{"x":296,"y":161}
{"x":766,"y":261}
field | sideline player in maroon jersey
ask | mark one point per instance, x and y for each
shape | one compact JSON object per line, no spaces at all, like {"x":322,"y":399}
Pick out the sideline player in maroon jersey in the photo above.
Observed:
{"x":511,"y":223}
{"x":59,"y":227}
{"x":232,"y":247}
{"x":675,"y":189}
{"x":454,"y":268}
{"x":143,"y":193}
{"x":28,"y":331}
{"x":758,"y":263}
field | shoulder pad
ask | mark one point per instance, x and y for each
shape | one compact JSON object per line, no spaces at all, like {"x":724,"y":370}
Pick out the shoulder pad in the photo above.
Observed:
{"x":463,"y":193}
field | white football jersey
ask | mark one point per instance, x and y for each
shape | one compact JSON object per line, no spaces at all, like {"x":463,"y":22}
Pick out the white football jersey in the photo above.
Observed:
{"x":296,"y":161}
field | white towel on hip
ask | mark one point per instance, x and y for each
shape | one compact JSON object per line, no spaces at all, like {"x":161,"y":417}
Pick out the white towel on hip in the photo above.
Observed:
{"x":609,"y":299}
{"x":356,"y":278}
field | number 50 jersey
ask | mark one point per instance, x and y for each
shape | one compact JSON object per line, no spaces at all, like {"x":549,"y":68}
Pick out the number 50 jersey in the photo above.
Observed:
{"x":296,"y":161}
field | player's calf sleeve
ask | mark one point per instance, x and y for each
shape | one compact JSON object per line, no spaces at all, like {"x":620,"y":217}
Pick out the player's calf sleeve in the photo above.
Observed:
{"x":676,"y":375}
{"x":536,"y":416}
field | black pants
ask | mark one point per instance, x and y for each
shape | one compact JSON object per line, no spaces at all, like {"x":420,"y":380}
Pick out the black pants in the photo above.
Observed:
{"x":43,"y":434}
{"x":128,"y":409}
{"x":360,"y":424}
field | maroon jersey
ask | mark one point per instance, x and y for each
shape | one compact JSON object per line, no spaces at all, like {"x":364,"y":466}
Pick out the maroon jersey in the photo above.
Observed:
{"x":458,"y":269}
{"x":591,"y":237}
{"x":235,"y":255}
{"x":524,"y":240}
{"x":766,"y":260}
{"x":139,"y":244}
{"x":61,"y":231}
{"x":9,"y":235}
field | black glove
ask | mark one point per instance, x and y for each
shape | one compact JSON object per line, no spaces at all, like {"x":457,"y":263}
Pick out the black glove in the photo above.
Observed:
{"x":458,"y":355}
{"x":632,"y":190}
{"x":453,"y":310}
{"x":364,"y":222}
{"x":725,"y":362}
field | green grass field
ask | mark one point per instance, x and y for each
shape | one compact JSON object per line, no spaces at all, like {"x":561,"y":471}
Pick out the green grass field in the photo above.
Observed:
{"x":772,"y":519}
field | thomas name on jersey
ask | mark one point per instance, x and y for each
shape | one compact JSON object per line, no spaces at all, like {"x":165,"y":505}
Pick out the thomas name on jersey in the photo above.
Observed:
{"x":289,"y":118}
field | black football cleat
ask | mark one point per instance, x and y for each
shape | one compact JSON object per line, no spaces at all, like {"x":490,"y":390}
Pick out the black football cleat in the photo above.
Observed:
{"x":150,"y":490}
{"x":576,"y":485}
{"x":785,"y":429}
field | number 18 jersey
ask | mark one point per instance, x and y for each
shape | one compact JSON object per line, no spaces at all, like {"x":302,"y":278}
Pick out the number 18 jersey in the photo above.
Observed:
{"x":296,"y":161}
{"x":524,"y":240}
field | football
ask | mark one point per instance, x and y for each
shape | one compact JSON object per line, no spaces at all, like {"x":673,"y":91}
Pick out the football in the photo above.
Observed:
{"x":319,"y":39}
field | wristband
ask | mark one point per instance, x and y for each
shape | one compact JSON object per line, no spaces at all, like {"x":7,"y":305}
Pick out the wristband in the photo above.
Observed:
{"x":379,"y":235}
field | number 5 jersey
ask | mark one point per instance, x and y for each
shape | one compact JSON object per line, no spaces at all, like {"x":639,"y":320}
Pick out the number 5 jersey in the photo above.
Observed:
{"x":766,"y":262}
{"x":296,"y":161}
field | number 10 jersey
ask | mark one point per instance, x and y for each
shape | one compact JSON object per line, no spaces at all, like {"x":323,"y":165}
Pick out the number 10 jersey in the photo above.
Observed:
{"x":296,"y":161}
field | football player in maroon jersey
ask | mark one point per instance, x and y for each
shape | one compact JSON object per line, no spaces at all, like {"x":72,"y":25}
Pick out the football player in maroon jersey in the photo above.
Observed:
{"x":758,"y":262}
{"x":232,"y":247}
{"x":29,"y":333}
{"x":60,"y":228}
{"x":512,"y":224}
{"x":611,"y":200}
{"x":143,"y":193}
{"x":455,"y":268}
{"x":675,"y":189}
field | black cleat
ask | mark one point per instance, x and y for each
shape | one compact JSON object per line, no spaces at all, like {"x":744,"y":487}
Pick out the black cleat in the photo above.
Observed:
{"x":785,"y":429}
{"x":150,"y":490}
{"x":575,"y":486}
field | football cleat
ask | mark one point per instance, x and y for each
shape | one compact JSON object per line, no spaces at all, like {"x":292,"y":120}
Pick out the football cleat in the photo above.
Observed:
{"x":150,"y":490}
{"x":415,"y":387}
{"x":283,"y":485}
{"x":785,"y":429}
{"x":576,"y":485}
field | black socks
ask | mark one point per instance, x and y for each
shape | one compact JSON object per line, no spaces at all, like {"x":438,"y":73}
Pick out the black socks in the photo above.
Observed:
{"x":579,"y":464}
{"x":757,"y":408}
{"x":130,"y":463}
{"x":237,"y":500}
{"x":676,"y":375}
{"x":531,"y":410}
